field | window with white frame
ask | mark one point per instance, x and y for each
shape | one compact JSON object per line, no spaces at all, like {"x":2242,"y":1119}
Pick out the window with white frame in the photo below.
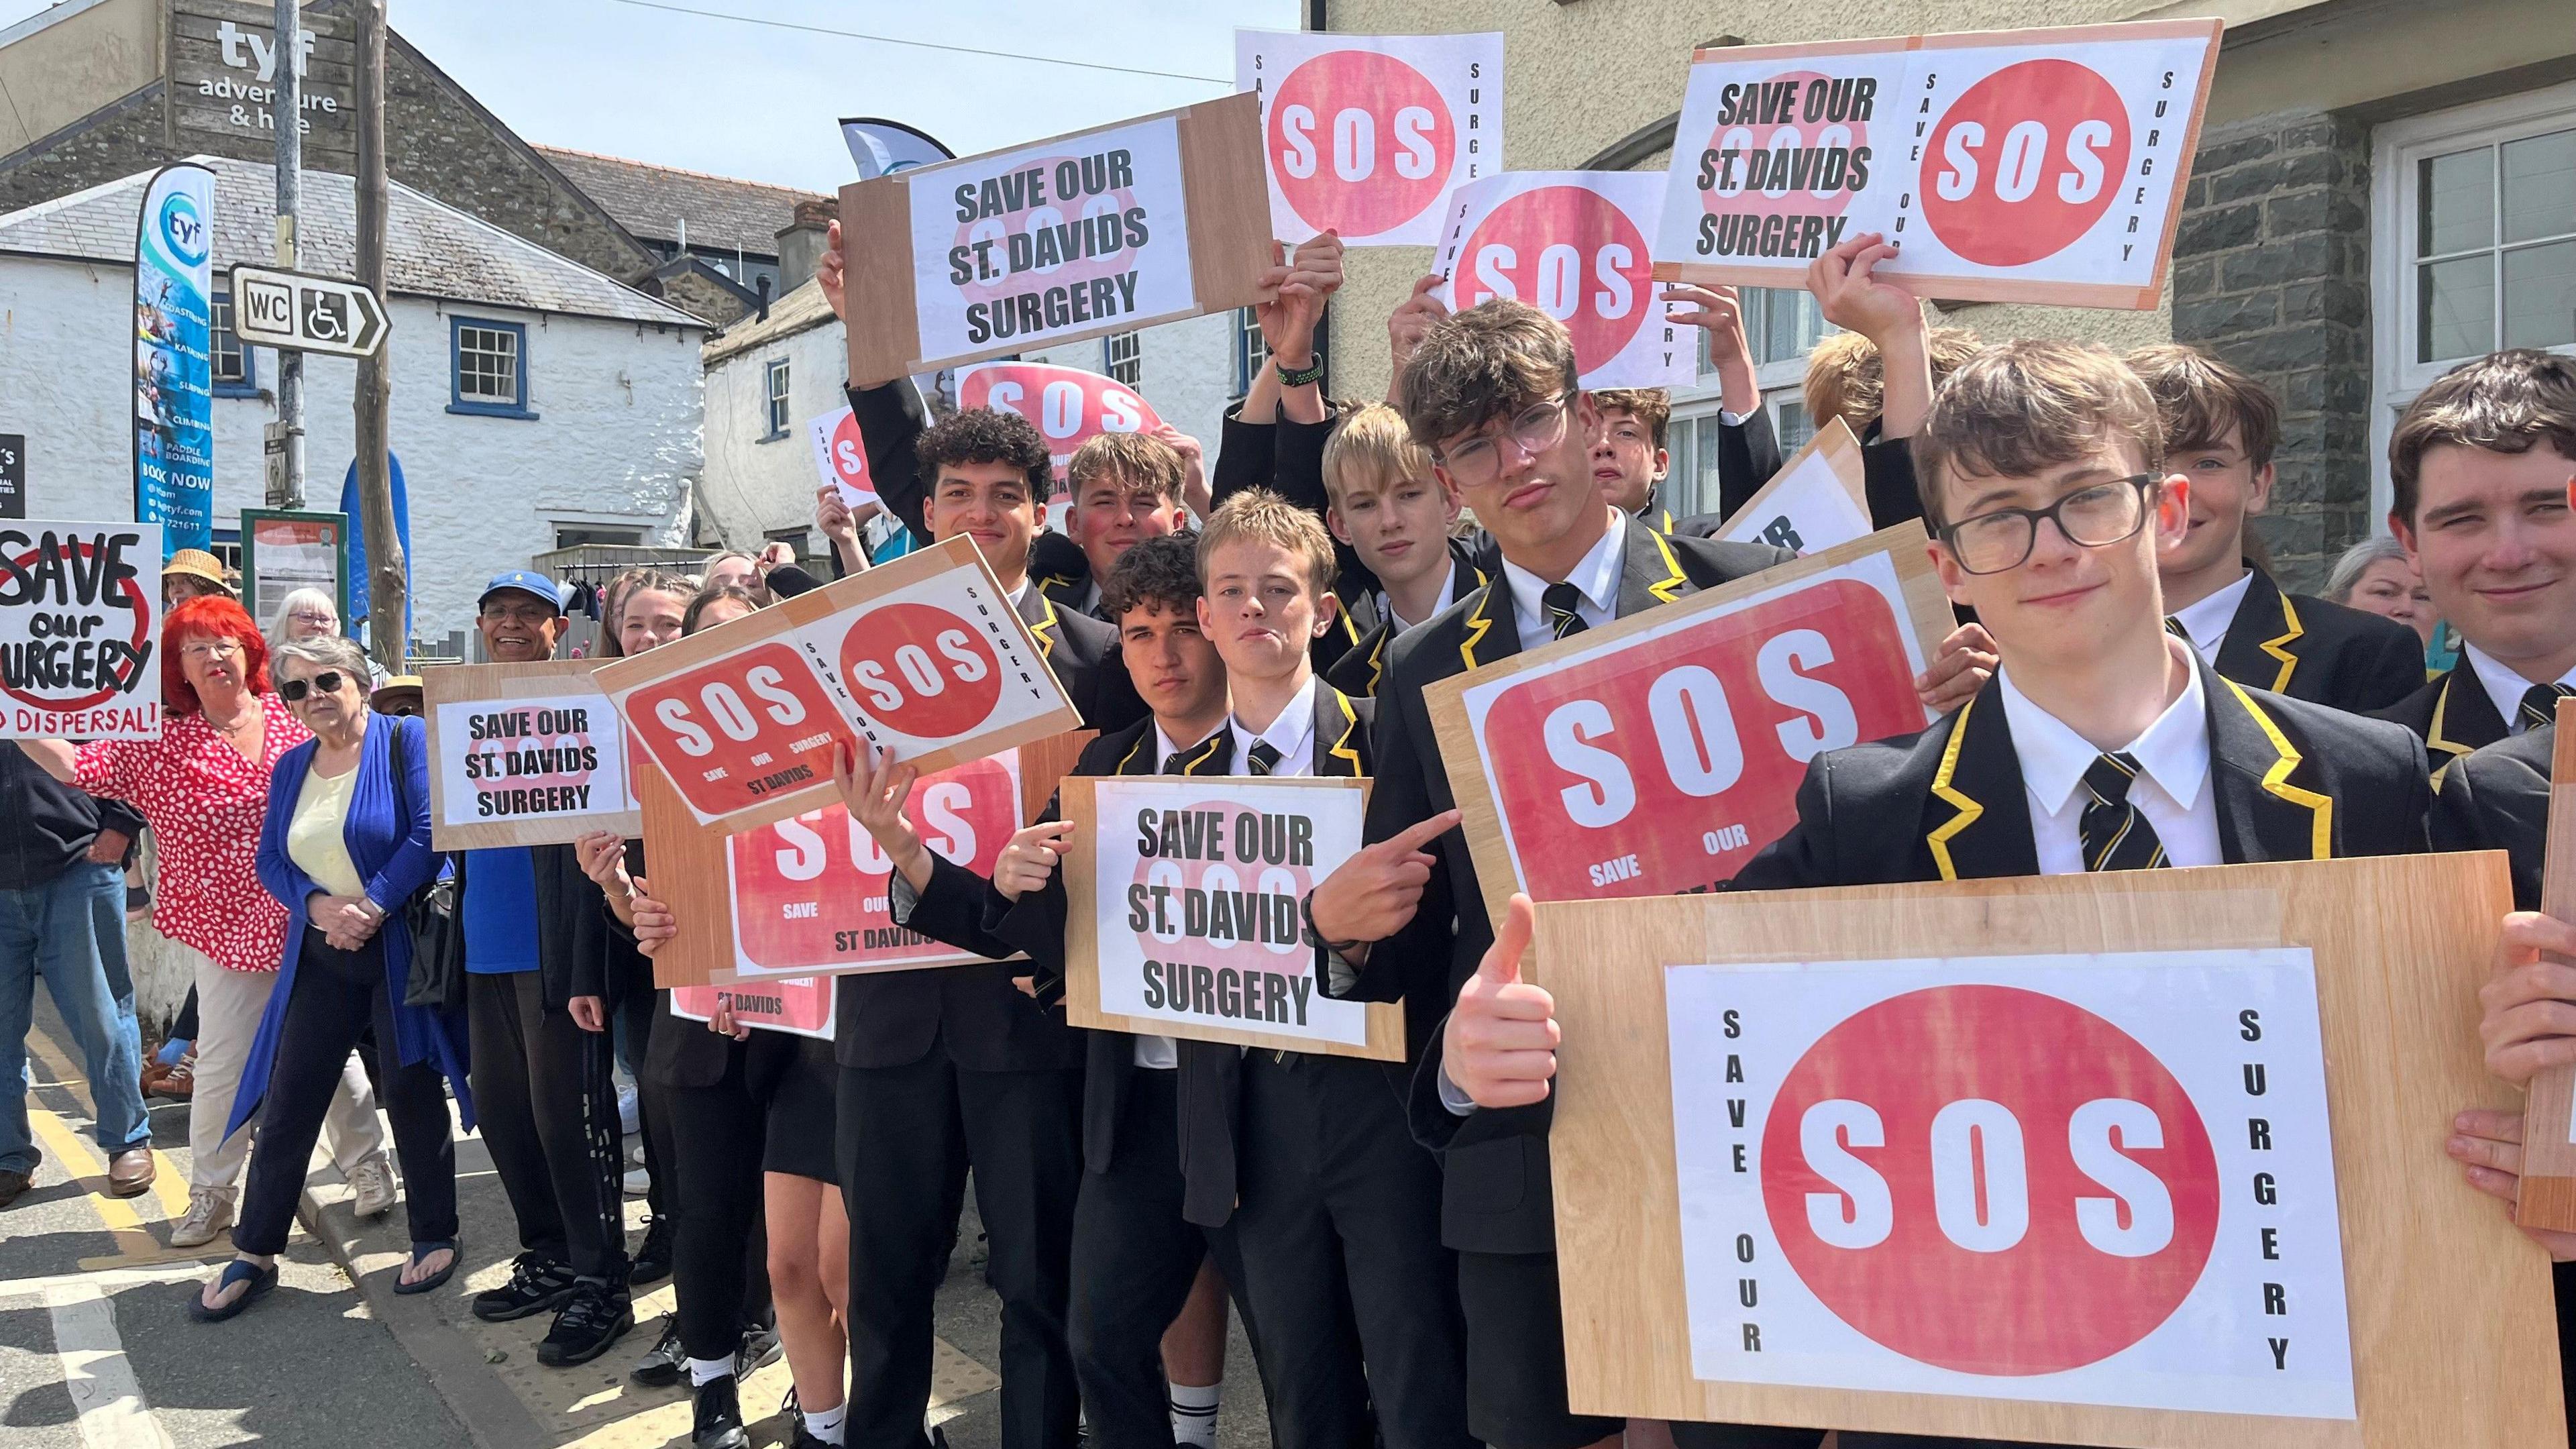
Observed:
{"x":1251,"y":350}
{"x":774,"y":400}
{"x":2473,"y":242}
{"x":489,"y":374}
{"x":1122,"y":356}
{"x":230,"y":361}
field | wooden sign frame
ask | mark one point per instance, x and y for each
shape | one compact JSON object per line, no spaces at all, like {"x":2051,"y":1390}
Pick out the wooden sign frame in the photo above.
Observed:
{"x":1841,"y":452}
{"x":2548,"y":1198}
{"x":686,"y":864}
{"x":1480,"y":813}
{"x":1229,"y":226}
{"x":2141,"y":298}
{"x":1080,"y":805}
{"x":2453,"y":1330}
{"x":444,"y":684}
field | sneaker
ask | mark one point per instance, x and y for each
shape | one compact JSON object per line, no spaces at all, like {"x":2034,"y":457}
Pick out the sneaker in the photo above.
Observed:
{"x":639,"y":1183}
{"x":535,"y":1286}
{"x":759,"y":1346}
{"x":653,"y":1260}
{"x":718,"y":1421}
{"x":590,"y":1323}
{"x":627,"y":1118}
{"x":373,"y":1182}
{"x":173,"y":1081}
{"x":660,"y":1367}
{"x":209,"y":1212}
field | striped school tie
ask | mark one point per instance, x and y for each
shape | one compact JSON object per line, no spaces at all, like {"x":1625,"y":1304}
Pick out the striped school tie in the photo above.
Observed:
{"x":1564,"y":604}
{"x":2540,"y":704}
{"x":2116,"y":836}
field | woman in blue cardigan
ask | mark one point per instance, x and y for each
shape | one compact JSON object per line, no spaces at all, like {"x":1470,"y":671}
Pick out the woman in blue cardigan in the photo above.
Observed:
{"x":345,"y":845}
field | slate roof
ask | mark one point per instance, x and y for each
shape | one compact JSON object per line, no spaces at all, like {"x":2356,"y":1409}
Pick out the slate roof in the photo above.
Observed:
{"x":432,"y":249}
{"x":723,"y":214}
{"x":800,"y":310}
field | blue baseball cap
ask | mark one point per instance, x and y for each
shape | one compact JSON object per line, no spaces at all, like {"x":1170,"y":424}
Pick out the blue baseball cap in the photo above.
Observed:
{"x":526,"y":581}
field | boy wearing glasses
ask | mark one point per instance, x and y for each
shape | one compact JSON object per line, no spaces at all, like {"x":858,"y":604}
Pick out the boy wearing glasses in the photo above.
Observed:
{"x":2102,"y":743}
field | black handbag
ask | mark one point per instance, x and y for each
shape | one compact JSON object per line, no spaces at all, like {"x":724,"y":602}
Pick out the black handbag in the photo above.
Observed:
{"x":435,"y":916}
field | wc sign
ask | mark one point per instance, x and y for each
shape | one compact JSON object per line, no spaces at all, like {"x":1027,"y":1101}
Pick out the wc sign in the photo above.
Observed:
{"x":304,"y":313}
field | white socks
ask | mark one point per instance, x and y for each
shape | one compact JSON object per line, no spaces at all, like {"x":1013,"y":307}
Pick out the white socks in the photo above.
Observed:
{"x":704,"y":1371}
{"x":1194,"y":1415}
{"x":826,"y":1424}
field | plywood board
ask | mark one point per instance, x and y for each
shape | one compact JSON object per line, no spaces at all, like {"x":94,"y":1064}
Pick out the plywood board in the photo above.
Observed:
{"x":2453,"y":1333}
{"x":2549,"y":1136}
{"x":499,"y":684}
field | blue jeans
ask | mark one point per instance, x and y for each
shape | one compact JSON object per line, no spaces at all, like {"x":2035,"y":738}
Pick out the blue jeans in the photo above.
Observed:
{"x":72,"y":933}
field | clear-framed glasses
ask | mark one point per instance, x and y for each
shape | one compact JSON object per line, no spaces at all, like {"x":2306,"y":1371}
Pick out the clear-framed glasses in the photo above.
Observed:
{"x":1535,"y":429}
{"x":210,"y":649}
{"x":2092,"y":517}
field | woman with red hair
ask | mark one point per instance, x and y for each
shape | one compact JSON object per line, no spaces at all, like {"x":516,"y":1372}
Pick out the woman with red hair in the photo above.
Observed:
{"x":203,"y":788}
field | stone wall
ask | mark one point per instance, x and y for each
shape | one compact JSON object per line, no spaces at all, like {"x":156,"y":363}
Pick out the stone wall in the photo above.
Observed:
{"x":2272,"y":272}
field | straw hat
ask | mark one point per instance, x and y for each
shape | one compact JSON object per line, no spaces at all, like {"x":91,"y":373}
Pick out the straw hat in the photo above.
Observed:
{"x":197,"y":563}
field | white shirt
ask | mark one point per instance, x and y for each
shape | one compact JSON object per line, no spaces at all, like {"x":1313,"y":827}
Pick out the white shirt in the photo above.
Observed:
{"x":2505,"y":684}
{"x":1158,"y":1052}
{"x":1596,"y":578}
{"x":2206,"y":622}
{"x":1397,"y":623}
{"x":2173,"y":790}
{"x":1292,"y":735}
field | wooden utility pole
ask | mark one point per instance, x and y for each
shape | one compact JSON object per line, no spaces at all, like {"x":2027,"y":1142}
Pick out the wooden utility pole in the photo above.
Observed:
{"x":388,"y":595}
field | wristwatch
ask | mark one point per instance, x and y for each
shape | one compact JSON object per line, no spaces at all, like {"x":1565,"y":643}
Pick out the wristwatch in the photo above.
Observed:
{"x":1306,"y":910}
{"x":1306,"y":377}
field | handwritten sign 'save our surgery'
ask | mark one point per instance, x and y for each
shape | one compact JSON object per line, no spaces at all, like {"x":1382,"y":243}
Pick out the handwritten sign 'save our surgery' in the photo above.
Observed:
{"x":78,"y":614}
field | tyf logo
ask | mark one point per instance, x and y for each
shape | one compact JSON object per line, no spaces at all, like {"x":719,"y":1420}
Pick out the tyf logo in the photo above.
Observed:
{"x":183,"y":229}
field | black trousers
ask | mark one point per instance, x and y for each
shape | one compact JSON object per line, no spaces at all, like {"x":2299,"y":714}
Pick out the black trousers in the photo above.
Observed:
{"x":720,"y":1261}
{"x":546,"y":1102}
{"x":337,"y":995}
{"x":906,"y":1138}
{"x":633,"y":1018}
{"x":1134,"y":1260}
{"x":1340,"y":1225}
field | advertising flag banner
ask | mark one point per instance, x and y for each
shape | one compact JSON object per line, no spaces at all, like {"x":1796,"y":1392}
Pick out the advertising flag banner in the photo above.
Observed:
{"x":2008,"y":165}
{"x":1184,"y":914}
{"x":174,"y":399}
{"x":924,"y":657}
{"x":841,"y":456}
{"x":1574,"y":245}
{"x":882,"y":147}
{"x":1657,"y":753}
{"x":1364,"y":134}
{"x":1070,"y":406}
{"x":1818,"y":499}
{"x":524,"y":754}
{"x":80,"y":618}
{"x":802,"y":1005}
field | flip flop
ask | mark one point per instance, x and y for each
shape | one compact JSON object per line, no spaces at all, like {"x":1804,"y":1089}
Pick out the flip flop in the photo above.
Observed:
{"x":261,"y":1280}
{"x":434,"y":1280}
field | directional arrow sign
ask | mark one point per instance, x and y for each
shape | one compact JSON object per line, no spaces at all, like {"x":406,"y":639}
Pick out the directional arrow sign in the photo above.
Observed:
{"x":306,"y":313}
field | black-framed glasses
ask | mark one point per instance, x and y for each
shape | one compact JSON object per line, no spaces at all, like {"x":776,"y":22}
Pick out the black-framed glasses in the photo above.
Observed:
{"x":2095,"y":516}
{"x":1535,"y":429}
{"x":328,"y":681}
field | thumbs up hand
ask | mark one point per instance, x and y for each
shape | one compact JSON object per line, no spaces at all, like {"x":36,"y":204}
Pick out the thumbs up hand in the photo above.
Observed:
{"x":1500,"y":1044}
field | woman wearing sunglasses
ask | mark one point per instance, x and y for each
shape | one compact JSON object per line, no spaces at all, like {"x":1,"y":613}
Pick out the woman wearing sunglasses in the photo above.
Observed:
{"x":344,"y":846}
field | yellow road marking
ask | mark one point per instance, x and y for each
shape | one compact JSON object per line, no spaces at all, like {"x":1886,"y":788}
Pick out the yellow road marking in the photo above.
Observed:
{"x":167,"y":1185}
{"x":132,"y":1241}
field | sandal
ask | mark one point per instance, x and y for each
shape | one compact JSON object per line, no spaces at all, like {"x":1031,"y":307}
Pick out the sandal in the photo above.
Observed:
{"x":261,"y":1280}
{"x":434,"y":1280}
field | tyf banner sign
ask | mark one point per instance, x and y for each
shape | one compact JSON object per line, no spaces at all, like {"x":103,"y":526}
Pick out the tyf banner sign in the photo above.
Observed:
{"x":1364,"y":134}
{"x":79,"y":613}
{"x":1147,"y":221}
{"x":174,"y":441}
{"x":1658,"y":753}
{"x":802,"y":1005}
{"x":1184,"y":912}
{"x":524,"y":754}
{"x":1070,"y":406}
{"x":923,"y":657}
{"x":1818,"y":499}
{"x":2020,"y":165}
{"x":1572,"y":244}
{"x":841,"y":456}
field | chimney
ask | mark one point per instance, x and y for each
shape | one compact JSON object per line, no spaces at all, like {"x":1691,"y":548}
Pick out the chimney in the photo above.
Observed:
{"x":800,"y":243}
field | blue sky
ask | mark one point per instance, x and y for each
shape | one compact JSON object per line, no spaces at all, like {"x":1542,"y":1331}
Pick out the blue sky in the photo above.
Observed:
{"x":760,"y":102}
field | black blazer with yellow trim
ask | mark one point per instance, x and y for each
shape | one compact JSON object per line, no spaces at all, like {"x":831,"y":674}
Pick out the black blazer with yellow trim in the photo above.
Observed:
{"x":1495,"y":1196}
{"x":1084,"y":654}
{"x":2324,"y":653}
{"x":2497,"y":798}
{"x":2451,"y":713}
{"x":1360,"y":668}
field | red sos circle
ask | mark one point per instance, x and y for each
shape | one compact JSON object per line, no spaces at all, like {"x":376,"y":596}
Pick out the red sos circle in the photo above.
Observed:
{"x":2036,"y":1195}
{"x":1573,"y":255}
{"x":921,"y":670}
{"x":140,"y":642}
{"x":850,"y":455}
{"x":1804,"y":159}
{"x":1360,"y":143}
{"x":2025,"y":162}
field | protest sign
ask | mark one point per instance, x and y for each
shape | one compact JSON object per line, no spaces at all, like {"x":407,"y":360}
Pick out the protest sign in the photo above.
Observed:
{"x":1573,"y":245}
{"x":1820,"y":498}
{"x":524,"y":754}
{"x":1070,"y":406}
{"x":923,"y":656}
{"x":801,"y":1005}
{"x":2010,"y":165}
{"x":841,"y":456}
{"x":1364,"y":134}
{"x":2548,"y":1198}
{"x":1185,"y":912}
{"x":1108,"y":230}
{"x":79,"y":619}
{"x":1657,"y":753}
{"x":2065,"y":1174}
{"x":808,"y":895}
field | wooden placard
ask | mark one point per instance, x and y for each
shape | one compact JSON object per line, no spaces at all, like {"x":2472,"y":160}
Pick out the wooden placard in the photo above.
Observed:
{"x":1802,"y":507}
{"x":1228,"y":220}
{"x":2548,"y":1197}
{"x":2058,"y":184}
{"x":1581,"y":715}
{"x":2451,"y":1326}
{"x":923,"y":656}
{"x":1382,"y":1023}
{"x":549,"y":710}
{"x":691,"y":867}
